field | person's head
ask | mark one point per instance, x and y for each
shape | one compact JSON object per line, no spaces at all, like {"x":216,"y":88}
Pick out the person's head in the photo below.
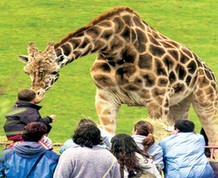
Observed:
{"x":86,"y":121}
{"x":124,"y":149}
{"x":123,"y":144}
{"x":146,"y":129}
{"x":143,"y":128}
{"x":34,"y":131}
{"x":87,"y":135}
{"x":184,"y":126}
{"x":26,"y":95}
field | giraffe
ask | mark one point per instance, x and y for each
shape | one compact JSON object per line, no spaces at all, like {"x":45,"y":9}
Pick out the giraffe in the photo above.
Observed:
{"x":135,"y":65}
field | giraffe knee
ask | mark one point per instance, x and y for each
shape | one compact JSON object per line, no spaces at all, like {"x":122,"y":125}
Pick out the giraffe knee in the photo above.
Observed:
{"x":157,"y":111}
{"x":108,"y":124}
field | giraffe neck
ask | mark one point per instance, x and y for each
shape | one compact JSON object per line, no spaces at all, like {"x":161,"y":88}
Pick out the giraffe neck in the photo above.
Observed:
{"x":78,"y":46}
{"x":110,"y":37}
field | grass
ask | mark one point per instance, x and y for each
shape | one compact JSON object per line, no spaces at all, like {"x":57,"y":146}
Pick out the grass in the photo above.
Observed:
{"x":190,"y":22}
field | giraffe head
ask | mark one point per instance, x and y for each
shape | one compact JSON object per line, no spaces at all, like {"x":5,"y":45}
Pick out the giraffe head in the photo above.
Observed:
{"x":42,"y":67}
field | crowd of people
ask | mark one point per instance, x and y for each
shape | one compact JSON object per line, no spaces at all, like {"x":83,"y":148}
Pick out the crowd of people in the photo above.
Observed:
{"x":93,"y":152}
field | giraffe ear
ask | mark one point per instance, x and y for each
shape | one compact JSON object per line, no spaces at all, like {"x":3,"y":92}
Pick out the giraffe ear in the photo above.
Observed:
{"x":32,"y":50}
{"x":23,"y":58}
{"x":50,"y":47}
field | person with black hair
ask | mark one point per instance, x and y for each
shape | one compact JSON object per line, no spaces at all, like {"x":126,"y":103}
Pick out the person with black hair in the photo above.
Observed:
{"x":105,"y":136}
{"x":29,"y":158}
{"x":89,"y":158}
{"x":133,"y":161}
{"x":183,"y":153}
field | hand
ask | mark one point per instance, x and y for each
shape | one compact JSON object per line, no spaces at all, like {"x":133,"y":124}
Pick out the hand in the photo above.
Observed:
{"x":170,"y":129}
{"x":52,"y":117}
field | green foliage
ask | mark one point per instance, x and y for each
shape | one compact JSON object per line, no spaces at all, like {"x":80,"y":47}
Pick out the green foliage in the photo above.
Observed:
{"x":190,"y":22}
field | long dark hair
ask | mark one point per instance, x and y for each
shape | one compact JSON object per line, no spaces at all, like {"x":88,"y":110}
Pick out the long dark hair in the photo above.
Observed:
{"x":124,"y":149}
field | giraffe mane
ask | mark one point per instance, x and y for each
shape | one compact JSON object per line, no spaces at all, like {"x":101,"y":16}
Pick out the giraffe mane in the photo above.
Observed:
{"x":95,"y":21}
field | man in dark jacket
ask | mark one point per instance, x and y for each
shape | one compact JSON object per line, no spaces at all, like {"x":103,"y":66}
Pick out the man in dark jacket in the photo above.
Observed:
{"x":29,"y":158}
{"x":24,"y":112}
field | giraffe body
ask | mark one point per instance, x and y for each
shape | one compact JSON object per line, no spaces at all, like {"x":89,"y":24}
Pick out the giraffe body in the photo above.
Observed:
{"x":135,"y":65}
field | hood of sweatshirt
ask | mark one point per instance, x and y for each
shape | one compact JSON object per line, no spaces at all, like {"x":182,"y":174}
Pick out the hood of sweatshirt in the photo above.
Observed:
{"x":138,"y":139}
{"x":29,"y":149}
{"x":27,"y":104}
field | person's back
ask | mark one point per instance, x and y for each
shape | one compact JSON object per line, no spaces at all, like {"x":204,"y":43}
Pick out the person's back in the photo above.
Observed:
{"x":24,"y":112}
{"x":17,"y":164}
{"x":133,"y":161}
{"x":143,"y":136}
{"x":105,"y":137}
{"x":89,"y":159}
{"x":183,"y":153}
{"x":87,"y":162}
{"x":29,"y":158}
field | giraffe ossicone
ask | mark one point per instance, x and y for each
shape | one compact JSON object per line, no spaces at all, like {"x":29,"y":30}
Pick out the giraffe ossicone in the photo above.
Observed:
{"x":135,"y":65}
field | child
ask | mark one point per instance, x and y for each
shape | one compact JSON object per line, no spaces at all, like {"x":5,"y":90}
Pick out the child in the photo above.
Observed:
{"x":143,"y":136}
{"x":25,"y":111}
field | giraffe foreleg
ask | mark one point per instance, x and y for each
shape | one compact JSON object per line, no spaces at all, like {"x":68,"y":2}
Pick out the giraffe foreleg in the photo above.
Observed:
{"x":107,"y":109}
{"x":206,"y":110}
{"x":158,"y":107}
{"x":180,"y":110}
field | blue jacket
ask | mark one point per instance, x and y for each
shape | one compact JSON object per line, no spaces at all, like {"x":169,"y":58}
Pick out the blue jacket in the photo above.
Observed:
{"x":183,"y":155}
{"x":18,"y":161}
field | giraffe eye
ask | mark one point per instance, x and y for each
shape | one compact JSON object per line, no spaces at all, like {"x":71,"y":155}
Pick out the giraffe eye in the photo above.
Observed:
{"x":27,"y":73}
{"x":41,"y":74}
{"x":54,"y":72}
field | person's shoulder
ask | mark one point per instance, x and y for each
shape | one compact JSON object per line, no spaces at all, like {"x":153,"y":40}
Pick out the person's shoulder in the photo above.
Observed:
{"x":27,"y":104}
{"x":169,"y":137}
{"x":105,"y":133}
{"x":5,"y":154}
{"x":74,"y":150}
{"x":155,"y":147}
{"x":69,"y":142}
{"x":98,"y":149}
{"x":51,"y":155}
{"x":198,"y":136}
{"x":144,"y":162}
{"x":169,"y":140}
{"x":138,"y":155}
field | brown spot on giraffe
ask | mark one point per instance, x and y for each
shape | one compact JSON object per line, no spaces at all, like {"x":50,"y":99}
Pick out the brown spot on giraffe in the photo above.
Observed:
{"x":145,"y":61}
{"x":141,"y":68}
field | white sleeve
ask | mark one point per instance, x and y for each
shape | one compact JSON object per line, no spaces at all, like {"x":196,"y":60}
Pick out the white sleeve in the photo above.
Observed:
{"x":106,"y":137}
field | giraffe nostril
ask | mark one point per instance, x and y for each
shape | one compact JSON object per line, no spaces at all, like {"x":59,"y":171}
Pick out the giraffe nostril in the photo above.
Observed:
{"x":40,"y":93}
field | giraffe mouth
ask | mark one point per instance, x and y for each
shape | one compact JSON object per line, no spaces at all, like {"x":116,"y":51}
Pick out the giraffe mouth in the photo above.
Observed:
{"x":38,"y":98}
{"x":40,"y":94}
